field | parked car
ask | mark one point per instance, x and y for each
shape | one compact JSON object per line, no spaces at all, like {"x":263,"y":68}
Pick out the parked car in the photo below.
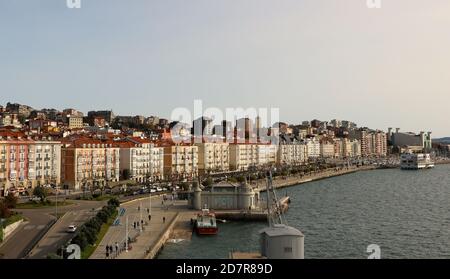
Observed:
{"x":71,"y":229}
{"x":152,"y":191}
{"x":159,"y":189}
{"x":164,"y":189}
{"x":34,"y":198}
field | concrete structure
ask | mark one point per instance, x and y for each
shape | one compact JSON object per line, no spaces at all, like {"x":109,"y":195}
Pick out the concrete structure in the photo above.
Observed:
{"x":399,"y":139}
{"x":282,"y":242}
{"x":225,"y":196}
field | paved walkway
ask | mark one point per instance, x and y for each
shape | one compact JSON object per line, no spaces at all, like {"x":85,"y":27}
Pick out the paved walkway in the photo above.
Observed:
{"x":279,"y":182}
{"x":142,"y":240}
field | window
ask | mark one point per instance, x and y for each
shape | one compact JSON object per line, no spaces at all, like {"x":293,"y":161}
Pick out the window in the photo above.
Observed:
{"x":288,"y":249}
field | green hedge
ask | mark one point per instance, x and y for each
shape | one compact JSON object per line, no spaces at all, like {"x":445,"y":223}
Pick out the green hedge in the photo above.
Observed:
{"x":88,"y":233}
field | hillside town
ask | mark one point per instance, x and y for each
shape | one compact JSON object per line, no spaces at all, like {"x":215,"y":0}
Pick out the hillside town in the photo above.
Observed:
{"x":78,"y":151}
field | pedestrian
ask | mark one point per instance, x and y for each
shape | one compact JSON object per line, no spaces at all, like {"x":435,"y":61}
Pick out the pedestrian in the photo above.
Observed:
{"x":149,"y":217}
{"x":134,"y":225}
{"x":164,"y":219}
{"x":142,"y":222}
{"x":117,"y":248}
{"x":148,"y":210}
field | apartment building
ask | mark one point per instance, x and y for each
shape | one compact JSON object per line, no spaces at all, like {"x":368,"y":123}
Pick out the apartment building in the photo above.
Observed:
{"x":134,"y":158}
{"x":26,"y":162}
{"x":243,"y":156}
{"x":327,"y":149}
{"x":45,"y":162}
{"x":291,"y":151}
{"x":373,"y":143}
{"x":156,"y":162}
{"x":313,"y":147}
{"x":266,"y":154}
{"x":89,"y":162}
{"x":180,"y":161}
{"x":75,"y":122}
{"x":213,"y":157}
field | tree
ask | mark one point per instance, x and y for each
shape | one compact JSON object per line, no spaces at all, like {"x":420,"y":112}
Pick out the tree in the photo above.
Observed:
{"x":184,"y":186}
{"x":241,"y":179}
{"x":40,"y":192}
{"x":126,"y":174}
{"x":207,"y":182}
{"x":4,"y":210}
{"x":114,"y":202}
{"x":10,"y":201}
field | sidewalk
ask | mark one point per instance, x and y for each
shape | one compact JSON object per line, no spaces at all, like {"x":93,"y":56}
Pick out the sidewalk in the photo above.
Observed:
{"x":141,"y":241}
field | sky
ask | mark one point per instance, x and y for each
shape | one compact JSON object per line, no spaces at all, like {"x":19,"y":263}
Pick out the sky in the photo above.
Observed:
{"x":324,"y":59}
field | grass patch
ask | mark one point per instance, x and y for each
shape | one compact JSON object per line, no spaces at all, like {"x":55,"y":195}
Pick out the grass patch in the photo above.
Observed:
{"x":87,"y":252}
{"x":36,"y":205}
{"x":10,"y":220}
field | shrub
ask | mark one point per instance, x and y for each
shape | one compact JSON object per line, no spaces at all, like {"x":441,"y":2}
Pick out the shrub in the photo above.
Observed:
{"x":114,"y":202}
{"x":91,"y":234}
{"x":240,"y":179}
{"x":10,"y":201}
{"x":80,"y":239}
{"x":103,"y":216}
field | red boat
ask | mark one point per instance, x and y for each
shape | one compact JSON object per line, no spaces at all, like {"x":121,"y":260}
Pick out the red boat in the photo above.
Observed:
{"x":206,"y":224}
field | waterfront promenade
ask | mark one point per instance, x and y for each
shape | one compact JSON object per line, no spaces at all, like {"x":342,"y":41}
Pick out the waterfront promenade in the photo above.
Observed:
{"x":143,"y":241}
{"x":288,"y":181}
{"x":145,"y":244}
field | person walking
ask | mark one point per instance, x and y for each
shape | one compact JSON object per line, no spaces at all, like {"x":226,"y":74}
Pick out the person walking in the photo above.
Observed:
{"x":164,"y":219}
{"x":117,"y":248}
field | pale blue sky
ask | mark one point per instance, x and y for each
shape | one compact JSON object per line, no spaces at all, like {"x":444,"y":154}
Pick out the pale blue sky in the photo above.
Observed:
{"x":311,"y":58}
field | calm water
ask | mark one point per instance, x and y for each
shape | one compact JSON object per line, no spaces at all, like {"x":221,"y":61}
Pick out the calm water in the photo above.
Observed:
{"x":407,"y":213}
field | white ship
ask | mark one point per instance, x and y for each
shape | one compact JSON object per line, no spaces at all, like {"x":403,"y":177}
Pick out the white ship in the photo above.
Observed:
{"x":416,"y":161}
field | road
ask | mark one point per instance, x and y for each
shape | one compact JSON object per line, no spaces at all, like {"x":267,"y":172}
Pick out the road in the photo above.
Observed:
{"x":38,"y":222}
{"x":57,"y":236}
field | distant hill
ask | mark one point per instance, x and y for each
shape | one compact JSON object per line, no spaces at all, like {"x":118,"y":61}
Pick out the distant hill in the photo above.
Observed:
{"x":442,"y":140}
